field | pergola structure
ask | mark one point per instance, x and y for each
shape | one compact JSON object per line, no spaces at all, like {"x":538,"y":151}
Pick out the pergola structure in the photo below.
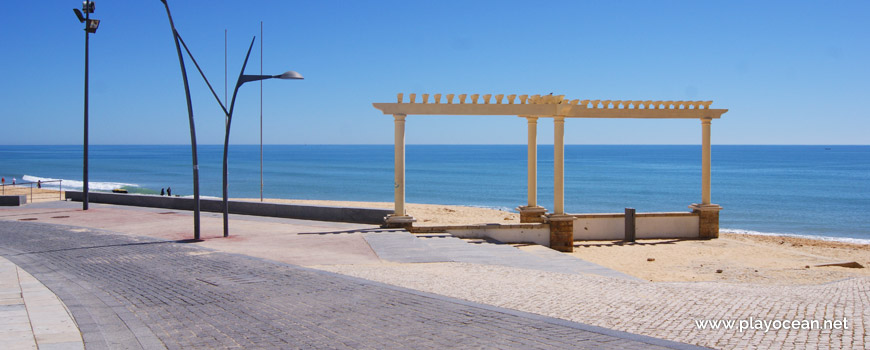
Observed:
{"x":557,"y":107}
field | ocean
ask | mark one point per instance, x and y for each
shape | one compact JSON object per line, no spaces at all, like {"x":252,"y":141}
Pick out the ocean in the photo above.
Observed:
{"x":795,"y":190}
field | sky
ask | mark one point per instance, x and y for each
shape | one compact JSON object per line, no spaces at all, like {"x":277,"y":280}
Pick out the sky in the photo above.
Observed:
{"x":789,"y":72}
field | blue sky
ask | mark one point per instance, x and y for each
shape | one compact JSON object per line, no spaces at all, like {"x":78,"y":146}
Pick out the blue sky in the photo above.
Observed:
{"x":790,"y":72}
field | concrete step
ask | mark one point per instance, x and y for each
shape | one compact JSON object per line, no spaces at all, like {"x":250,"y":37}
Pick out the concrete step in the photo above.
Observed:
{"x":402,"y":247}
{"x":536,"y":257}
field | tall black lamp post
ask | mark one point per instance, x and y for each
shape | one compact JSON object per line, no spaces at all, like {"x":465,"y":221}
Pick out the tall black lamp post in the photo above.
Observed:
{"x":91,"y":26}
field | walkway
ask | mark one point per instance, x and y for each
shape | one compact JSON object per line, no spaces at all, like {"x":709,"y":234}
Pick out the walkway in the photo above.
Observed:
{"x":136,"y":292}
{"x":31,"y":316}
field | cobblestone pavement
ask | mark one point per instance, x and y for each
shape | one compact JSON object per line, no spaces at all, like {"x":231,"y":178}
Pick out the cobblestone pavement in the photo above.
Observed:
{"x":664,"y":310}
{"x":135,"y":292}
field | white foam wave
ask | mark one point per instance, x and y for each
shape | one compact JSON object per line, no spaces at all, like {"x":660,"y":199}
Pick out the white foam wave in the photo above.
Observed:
{"x":822,"y":238}
{"x":75,"y":184}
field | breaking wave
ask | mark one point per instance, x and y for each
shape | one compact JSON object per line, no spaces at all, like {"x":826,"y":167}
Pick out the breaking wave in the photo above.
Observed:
{"x":74,"y":185}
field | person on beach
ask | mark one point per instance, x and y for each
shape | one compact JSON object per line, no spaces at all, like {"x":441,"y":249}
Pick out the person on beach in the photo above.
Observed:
{"x":13,"y":181}
{"x":169,"y":191}
{"x":38,"y":183}
{"x":162,"y":192}
{"x":3,"y":181}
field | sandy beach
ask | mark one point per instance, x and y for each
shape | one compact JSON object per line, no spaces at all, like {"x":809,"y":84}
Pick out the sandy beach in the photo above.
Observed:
{"x":733,"y":258}
{"x":34,"y":194}
{"x":426,"y":214}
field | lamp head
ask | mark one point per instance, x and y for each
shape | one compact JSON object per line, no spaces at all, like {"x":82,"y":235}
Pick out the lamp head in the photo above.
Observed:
{"x":290,"y":75}
{"x":79,"y":15}
{"x":88,"y":6}
{"x":92,"y":26}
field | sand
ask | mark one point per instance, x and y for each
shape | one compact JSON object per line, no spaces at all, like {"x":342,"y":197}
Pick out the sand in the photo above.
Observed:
{"x":34,"y":194}
{"x":742,"y":258}
{"x":426,"y":214}
{"x":737,"y":258}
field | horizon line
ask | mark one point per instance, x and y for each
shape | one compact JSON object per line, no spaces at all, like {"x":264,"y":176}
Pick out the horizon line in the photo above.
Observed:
{"x":440,"y":144}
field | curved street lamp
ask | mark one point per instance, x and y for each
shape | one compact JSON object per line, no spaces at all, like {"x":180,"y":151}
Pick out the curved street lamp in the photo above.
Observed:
{"x":196,"y":207}
{"x":243,"y":78}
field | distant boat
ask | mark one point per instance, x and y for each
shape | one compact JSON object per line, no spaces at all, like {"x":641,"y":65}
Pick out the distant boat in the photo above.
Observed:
{"x":119,"y":190}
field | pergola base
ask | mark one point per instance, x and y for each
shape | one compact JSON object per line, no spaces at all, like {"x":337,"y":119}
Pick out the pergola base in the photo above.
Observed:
{"x":708,"y":223}
{"x":532,"y":215}
{"x":399,"y":221}
{"x":562,"y":232}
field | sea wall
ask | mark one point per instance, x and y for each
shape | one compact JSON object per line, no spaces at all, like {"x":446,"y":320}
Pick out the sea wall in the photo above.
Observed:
{"x":586,"y":227}
{"x":591,"y":227}
{"x":290,"y":211}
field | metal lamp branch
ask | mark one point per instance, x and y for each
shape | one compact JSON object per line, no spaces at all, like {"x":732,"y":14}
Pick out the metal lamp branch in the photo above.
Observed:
{"x":243,"y":78}
{"x":196,"y":207}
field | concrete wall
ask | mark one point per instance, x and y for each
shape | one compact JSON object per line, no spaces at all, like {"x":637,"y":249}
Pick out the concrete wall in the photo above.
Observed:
{"x":648,"y":225}
{"x":509,"y":233}
{"x":13,"y":201}
{"x":291,"y":211}
{"x":676,"y":226}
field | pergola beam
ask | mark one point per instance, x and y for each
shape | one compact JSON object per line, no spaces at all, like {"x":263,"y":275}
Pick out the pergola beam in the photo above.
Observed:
{"x":545,"y":111}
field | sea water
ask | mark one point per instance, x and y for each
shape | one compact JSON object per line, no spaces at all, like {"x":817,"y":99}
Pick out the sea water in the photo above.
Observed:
{"x":802,"y":190}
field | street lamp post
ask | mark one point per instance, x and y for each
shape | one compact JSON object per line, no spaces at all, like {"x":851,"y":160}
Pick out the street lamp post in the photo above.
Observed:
{"x":91,"y":26}
{"x":196,"y":207}
{"x":243,"y":78}
{"x":228,"y":114}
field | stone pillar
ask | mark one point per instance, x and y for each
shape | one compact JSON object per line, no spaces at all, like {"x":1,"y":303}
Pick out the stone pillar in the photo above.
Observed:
{"x":532,"y":213}
{"x":708,"y":213}
{"x":561,"y":225}
{"x":398,"y":218}
{"x":532,"y":152}
{"x":708,"y":219}
{"x":705,"y":161}
{"x":562,"y":232}
{"x":559,"y":165}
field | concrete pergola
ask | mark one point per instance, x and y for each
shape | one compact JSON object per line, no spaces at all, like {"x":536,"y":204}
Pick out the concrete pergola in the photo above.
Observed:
{"x":557,"y":107}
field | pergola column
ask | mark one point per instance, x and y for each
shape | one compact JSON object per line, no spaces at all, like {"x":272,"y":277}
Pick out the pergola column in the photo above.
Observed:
{"x":398,"y":218}
{"x":705,"y":161}
{"x":708,"y":213}
{"x":532,"y":213}
{"x":532,"y":152}
{"x":561,"y":225}
{"x":559,"y":165}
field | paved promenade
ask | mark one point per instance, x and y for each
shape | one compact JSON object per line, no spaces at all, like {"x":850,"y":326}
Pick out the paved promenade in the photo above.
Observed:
{"x":129,"y":291}
{"x":31,"y":316}
{"x":124,"y":266}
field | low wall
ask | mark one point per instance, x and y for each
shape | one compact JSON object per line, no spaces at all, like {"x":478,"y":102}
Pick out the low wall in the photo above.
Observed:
{"x":13,"y":200}
{"x":591,"y":227}
{"x":290,"y":211}
{"x":507,"y":233}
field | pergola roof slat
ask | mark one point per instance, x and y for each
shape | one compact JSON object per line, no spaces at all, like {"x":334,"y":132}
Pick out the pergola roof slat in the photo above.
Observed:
{"x":550,"y":106}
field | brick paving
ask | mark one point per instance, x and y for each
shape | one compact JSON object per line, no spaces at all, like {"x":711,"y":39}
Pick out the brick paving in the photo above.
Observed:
{"x":664,"y":310}
{"x":129,"y":292}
